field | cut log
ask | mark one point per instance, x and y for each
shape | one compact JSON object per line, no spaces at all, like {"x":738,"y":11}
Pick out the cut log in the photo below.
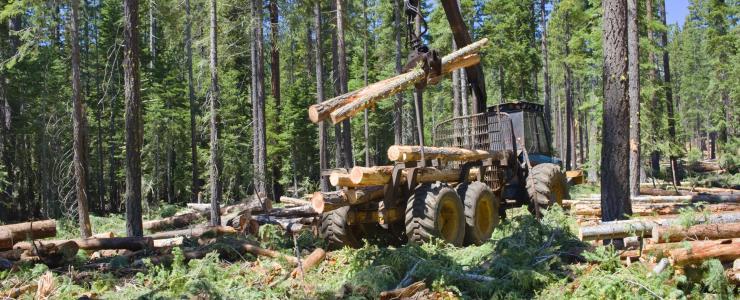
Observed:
{"x":381,"y":175}
{"x":661,"y":192}
{"x":622,"y":229}
{"x":311,"y":261}
{"x":399,"y":153}
{"x":340,"y":179}
{"x":668,"y":234}
{"x":171,"y":242}
{"x":323,"y":202}
{"x":589,"y":209}
{"x":172,"y":222}
{"x":724,"y":251}
{"x":11,"y":234}
{"x":194,"y":232}
{"x":288,"y":224}
{"x":292,"y":212}
{"x":369,"y":95}
{"x":128,"y":243}
{"x":289,"y":201}
{"x":663,"y":249}
{"x":319,"y":112}
{"x":725,"y":198}
{"x":259,"y":251}
{"x":108,"y":234}
{"x":404,"y":292}
{"x":200,"y":207}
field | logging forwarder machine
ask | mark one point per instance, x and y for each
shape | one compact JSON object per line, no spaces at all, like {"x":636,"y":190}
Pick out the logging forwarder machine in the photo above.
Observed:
{"x":457,"y":190}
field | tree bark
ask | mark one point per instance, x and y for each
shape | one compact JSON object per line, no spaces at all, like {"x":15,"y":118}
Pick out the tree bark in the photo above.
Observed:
{"x":381,"y":175}
{"x":80,"y":134}
{"x":400,"y":153}
{"x":569,"y":137}
{"x":669,"y":234}
{"x":277,"y":190}
{"x":346,"y":141}
{"x":258,"y":110}
{"x":398,"y":104}
{"x":546,"y":63}
{"x":594,"y":209}
{"x":134,"y":127}
{"x":194,"y":181}
{"x":615,"y":134}
{"x":653,"y":77}
{"x":194,"y":232}
{"x":216,"y":164}
{"x":633,"y":39}
{"x":173,"y":222}
{"x":323,"y":134}
{"x":364,"y":73}
{"x":323,"y":202}
{"x":725,"y":251}
{"x":309,"y":262}
{"x":10,"y":234}
{"x":669,"y":96}
{"x":456,"y":100}
{"x":621,"y":229}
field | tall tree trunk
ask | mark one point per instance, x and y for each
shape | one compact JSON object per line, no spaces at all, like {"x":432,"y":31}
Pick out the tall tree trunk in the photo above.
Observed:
{"x":215,"y":170}
{"x":195,"y":183}
{"x":654,"y":101}
{"x":633,"y":39}
{"x":80,"y":161}
{"x":569,"y":137}
{"x":152,"y":37}
{"x":418,"y":133}
{"x":364,"y":76}
{"x":343,"y":79}
{"x":615,"y":201}
{"x":546,"y":62}
{"x":113,"y":195}
{"x":277,"y":190}
{"x":323,"y":134}
{"x":398,"y":105}
{"x":134,"y":129}
{"x":260,"y":147}
{"x":669,"y":97}
{"x":456,"y":101}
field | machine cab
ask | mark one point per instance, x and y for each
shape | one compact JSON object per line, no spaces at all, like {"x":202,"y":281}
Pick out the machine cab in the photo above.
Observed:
{"x":530,"y":130}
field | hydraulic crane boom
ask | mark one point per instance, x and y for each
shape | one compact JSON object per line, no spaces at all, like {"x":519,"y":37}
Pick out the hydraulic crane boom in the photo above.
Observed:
{"x":462,"y":38}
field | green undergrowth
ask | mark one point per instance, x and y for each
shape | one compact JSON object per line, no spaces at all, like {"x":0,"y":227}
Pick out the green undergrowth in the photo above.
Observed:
{"x":524,"y":259}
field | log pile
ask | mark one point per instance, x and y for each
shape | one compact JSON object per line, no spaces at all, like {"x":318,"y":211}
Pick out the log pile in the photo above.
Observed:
{"x":659,"y":232}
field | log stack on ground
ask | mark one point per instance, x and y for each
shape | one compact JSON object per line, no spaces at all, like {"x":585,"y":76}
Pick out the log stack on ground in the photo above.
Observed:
{"x":649,"y":209}
{"x":10,"y":234}
{"x":177,"y":221}
{"x":290,"y":201}
{"x":347,"y":105}
{"x":211,"y":231}
{"x":725,"y":251}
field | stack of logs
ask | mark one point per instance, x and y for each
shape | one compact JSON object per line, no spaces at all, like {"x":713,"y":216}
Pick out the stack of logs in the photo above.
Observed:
{"x":364,"y":184}
{"x":664,"y":229}
{"x":26,"y":242}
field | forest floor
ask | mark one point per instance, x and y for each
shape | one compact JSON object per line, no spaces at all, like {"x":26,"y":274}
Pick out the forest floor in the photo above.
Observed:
{"x":524,"y":259}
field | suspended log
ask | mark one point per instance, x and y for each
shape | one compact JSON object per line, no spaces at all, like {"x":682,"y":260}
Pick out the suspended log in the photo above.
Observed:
{"x":589,"y":209}
{"x":622,"y":229}
{"x":194,"y":232}
{"x":128,"y":243}
{"x":400,"y":153}
{"x":369,"y":95}
{"x":323,"y":202}
{"x":381,"y":175}
{"x":725,"y":251}
{"x":340,"y":179}
{"x":289,"y":201}
{"x":13,"y":233}
{"x":676,"y":233}
{"x":311,"y":261}
{"x":172,"y":222}
{"x":319,"y":112}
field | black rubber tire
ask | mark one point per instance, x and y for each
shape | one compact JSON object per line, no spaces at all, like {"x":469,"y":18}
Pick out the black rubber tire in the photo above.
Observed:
{"x":546,"y":186}
{"x":426,"y":218}
{"x":337,"y":233}
{"x":479,"y":200}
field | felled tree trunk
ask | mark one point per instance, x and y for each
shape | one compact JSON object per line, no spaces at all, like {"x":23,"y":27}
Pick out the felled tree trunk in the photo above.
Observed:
{"x":293,"y":212}
{"x":289,"y":201}
{"x":311,"y":261}
{"x":194,"y":232}
{"x":172,"y":222}
{"x":288,"y":224}
{"x":677,"y":233}
{"x":128,"y":243}
{"x":340,"y":179}
{"x":10,"y":234}
{"x":381,"y":175}
{"x":726,"y":250}
{"x":621,"y":229}
{"x":663,"y":249}
{"x":587,"y":209}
